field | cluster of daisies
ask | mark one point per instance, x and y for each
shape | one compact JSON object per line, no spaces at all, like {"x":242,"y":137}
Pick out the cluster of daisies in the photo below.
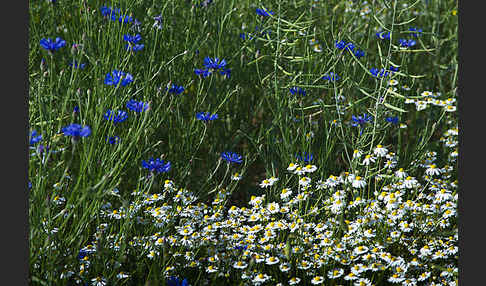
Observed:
{"x":403,"y":231}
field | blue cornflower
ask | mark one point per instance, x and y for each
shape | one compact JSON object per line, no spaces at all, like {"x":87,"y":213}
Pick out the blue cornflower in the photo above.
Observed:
{"x":176,"y":89}
{"x":263,"y":12}
{"x":34,"y":138}
{"x":132,"y":39}
{"x":331,"y":77}
{"x":113,"y":140}
{"x":340,"y":45}
{"x":379,"y":73}
{"x":158,"y":22}
{"x":137,"y":106}
{"x":204,"y":72}
{"x":231,"y":157}
{"x":30,"y":185}
{"x":418,"y":31}
{"x":393,"y":69}
{"x":359,"y":53}
{"x":307,"y":158}
{"x":350,"y":47}
{"x":407,"y":43}
{"x":298,"y":90}
{"x":225,"y":72}
{"x":114,"y":15}
{"x":115,"y":76}
{"x":124,"y":19}
{"x":76,"y":65}
{"x":133,"y":44}
{"x":120,"y":116}
{"x":52,"y":45}
{"x":134,"y":48}
{"x":393,"y":120}
{"x":361,"y":120}
{"x":174,"y":281}
{"x":383,"y":35}
{"x":76,"y":130}
{"x":205,"y":116}
{"x":157,"y":165}
{"x":76,"y":109}
{"x":214,"y":64}
{"x":105,"y":11}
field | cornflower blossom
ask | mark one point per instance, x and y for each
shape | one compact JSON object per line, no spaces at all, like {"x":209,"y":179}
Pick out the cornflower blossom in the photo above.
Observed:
{"x":52,"y":45}
{"x":407,"y":43}
{"x":340,"y":45}
{"x":361,"y":121}
{"x":76,"y":131}
{"x":416,"y":31}
{"x":133,"y":42}
{"x":379,"y":73}
{"x":205,"y":116}
{"x":34,"y":138}
{"x":331,"y":77}
{"x":359,"y":53}
{"x":77,"y":65}
{"x":306,"y":158}
{"x":115,"y":15}
{"x":175,"y":89}
{"x":263,"y":12}
{"x":156,"y":165}
{"x":118,"y":77}
{"x":214,"y":64}
{"x":297,"y":90}
{"x":158,"y":22}
{"x":383,"y":35}
{"x":231,"y":157}
{"x":113,"y":140}
{"x":204,"y":72}
{"x":117,"y":117}
{"x":137,"y":106}
{"x":393,"y":120}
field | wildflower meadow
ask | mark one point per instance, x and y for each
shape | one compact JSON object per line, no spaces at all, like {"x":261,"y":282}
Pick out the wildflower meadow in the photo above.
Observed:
{"x":224,"y":142}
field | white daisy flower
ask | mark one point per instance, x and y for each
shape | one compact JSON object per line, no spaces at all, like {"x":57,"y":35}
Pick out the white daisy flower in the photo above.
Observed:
{"x":304,"y":181}
{"x":359,"y":182}
{"x":294,"y":281}
{"x":292,"y":167}
{"x":317,"y":280}
{"x":236,"y":176}
{"x":286,"y":192}
{"x":380,"y":151}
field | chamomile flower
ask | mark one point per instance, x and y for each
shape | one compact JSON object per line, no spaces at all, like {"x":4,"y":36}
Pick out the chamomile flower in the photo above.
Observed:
{"x":358,"y":182}
{"x":317,"y":280}
{"x":240,"y":265}
{"x":211,"y":269}
{"x":236,"y":176}
{"x":292,"y":167}
{"x":98,"y":281}
{"x":380,"y":151}
{"x":368,"y":159}
{"x":260,"y":278}
{"x":294,"y":281}
{"x":310,"y":168}
{"x":266,"y":183}
{"x":285,"y":193}
{"x":304,"y":181}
